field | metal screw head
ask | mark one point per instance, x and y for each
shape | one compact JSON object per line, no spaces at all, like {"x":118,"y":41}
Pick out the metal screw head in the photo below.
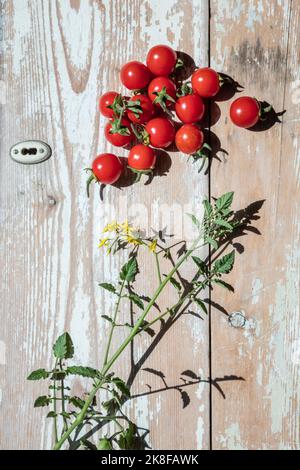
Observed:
{"x":42,"y":151}
{"x":16,"y":151}
{"x":237,"y":319}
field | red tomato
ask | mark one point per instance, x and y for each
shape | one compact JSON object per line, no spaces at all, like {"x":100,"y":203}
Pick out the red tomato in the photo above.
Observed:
{"x":135,"y":75}
{"x":141,"y":157}
{"x":161,"y":60}
{"x":164,"y":87}
{"x":190,"y":108}
{"x":107,"y":100}
{"x":189,"y":139}
{"x":205,"y":82}
{"x":107,"y":168}
{"x":245,"y":111}
{"x":119,"y":140}
{"x":147,"y":109}
{"x":161,"y":132}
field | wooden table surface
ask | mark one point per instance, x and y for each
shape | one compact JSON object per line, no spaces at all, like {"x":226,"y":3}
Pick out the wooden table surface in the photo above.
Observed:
{"x":57,"y":57}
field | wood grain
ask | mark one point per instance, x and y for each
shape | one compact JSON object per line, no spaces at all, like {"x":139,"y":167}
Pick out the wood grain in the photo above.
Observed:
{"x":57,"y":57}
{"x":257,"y":43}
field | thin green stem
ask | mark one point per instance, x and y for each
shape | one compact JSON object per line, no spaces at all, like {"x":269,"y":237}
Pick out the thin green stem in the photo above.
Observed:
{"x":113,"y":324}
{"x":158,"y":267}
{"x":63,"y":408}
{"x":54,"y":406}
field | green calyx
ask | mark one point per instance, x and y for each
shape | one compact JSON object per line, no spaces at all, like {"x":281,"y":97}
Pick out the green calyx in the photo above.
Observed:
{"x":92,"y":178}
{"x":162,"y":97}
{"x":184,"y":90}
{"x":139,"y":173}
{"x":202,"y":154}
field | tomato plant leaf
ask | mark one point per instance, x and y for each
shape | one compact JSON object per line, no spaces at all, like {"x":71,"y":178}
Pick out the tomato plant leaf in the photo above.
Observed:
{"x":38,"y":374}
{"x":129,"y":270}
{"x":82,"y":371}
{"x":223,"y":284}
{"x":200,"y":263}
{"x":122,"y":387}
{"x":43,"y":400}
{"x":107,"y":286}
{"x":104,"y":444}
{"x":136,"y":300}
{"x":201,"y":304}
{"x":63,"y":348}
{"x":225,"y":264}
{"x":225,"y":201}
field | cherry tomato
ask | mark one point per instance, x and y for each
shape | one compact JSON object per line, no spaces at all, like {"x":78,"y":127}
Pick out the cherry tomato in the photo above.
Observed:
{"x":161,"y":132}
{"x":107,"y":168}
{"x":119,"y":140}
{"x":205,"y":82}
{"x":135,"y":75}
{"x":107,"y":100}
{"x":190,"y":108}
{"x":141,"y":157}
{"x":147,"y":109}
{"x":160,"y":89}
{"x":189,"y":138}
{"x":161,"y":60}
{"x":245,"y":111}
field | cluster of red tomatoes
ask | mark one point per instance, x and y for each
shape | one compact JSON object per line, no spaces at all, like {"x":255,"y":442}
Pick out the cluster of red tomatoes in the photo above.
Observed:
{"x":144,"y":121}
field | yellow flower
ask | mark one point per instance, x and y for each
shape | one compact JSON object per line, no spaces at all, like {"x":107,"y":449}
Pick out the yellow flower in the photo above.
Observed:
{"x":126,"y":228}
{"x":132,"y":240}
{"x":152,"y":246}
{"x":103,"y":242}
{"x":112,"y":227}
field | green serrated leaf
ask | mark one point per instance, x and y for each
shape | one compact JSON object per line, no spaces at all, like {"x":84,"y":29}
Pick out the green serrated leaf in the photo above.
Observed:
{"x":212,"y":242}
{"x":136,"y":300}
{"x":223,"y":284}
{"x":175,"y":283}
{"x":120,"y":384}
{"x":207,"y":207}
{"x":225,"y":264}
{"x":38,"y":374}
{"x":51,"y":414}
{"x":77,"y":402}
{"x":43,"y":400}
{"x":107,"y":286}
{"x":82,"y":371}
{"x":129,"y":270}
{"x":63,"y":348}
{"x":225,"y":201}
{"x":106,"y":317}
{"x":200,"y":263}
{"x":223,"y":223}
{"x":195,"y":221}
{"x":201,"y":304}
{"x":104,"y":444}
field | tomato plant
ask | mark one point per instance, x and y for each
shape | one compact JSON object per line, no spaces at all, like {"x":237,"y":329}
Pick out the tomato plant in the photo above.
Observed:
{"x":190,"y":108}
{"x":206,"y":82}
{"x":161,"y":60}
{"x":245,"y":112}
{"x":189,"y":139}
{"x":117,"y":135}
{"x":162,"y":91}
{"x":135,"y":75}
{"x":161,"y":132}
{"x":106,"y":168}
{"x":106,"y":102}
{"x":143,"y":111}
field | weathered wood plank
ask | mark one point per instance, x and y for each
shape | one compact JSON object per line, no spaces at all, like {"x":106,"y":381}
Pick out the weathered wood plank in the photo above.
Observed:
{"x":57,"y":58}
{"x":257,"y":43}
